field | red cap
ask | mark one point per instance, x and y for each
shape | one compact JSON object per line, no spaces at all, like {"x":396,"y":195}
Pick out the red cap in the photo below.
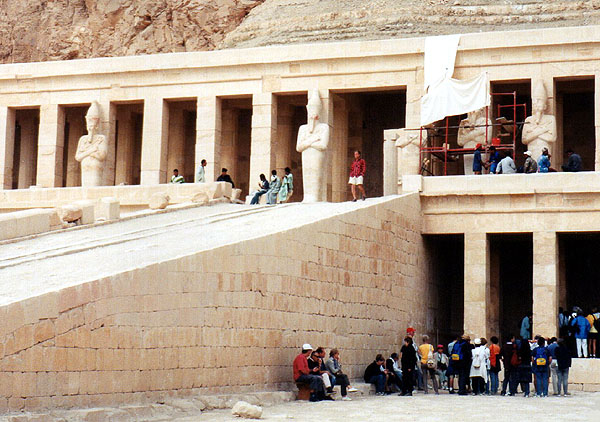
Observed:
{"x":410,"y":330}
{"x":440,"y":346}
{"x":477,"y":146}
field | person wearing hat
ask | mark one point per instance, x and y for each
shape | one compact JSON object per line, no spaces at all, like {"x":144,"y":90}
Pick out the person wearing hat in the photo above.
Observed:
{"x":418,"y":374}
{"x":530,"y":165}
{"x":463,"y":365}
{"x":303,"y":375}
{"x":479,"y":366}
{"x":442,"y":362}
{"x":544,"y":161}
{"x":477,"y":161}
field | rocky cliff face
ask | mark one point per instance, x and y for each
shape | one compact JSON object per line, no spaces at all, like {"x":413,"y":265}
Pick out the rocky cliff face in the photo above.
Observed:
{"x":39,"y":30}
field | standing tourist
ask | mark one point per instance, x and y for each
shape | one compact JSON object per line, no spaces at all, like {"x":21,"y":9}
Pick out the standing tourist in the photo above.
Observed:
{"x":526,"y":327}
{"x":201,"y":174}
{"x":593,"y":334}
{"x":479,"y":367}
{"x":552,"y":346}
{"x":452,"y":371}
{"x":302,"y":374}
{"x":461,"y":360}
{"x":442,"y":361}
{"x":563,"y":356}
{"x":510,"y":368}
{"x":376,"y":374}
{"x":582,"y":328}
{"x":408,"y":362}
{"x":494,"y":159}
{"x":357,"y":173}
{"x":523,"y":365}
{"x":287,"y":186}
{"x":274,"y":187}
{"x":530,"y":165}
{"x":541,"y":360}
{"x":495,"y":365}
{"x":477,"y":161}
{"x":176,"y":178}
{"x":428,"y":364}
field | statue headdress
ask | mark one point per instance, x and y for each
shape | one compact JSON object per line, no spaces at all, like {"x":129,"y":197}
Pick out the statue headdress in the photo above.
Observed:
{"x":94,"y":111}
{"x":314,"y":100}
{"x":539,"y":91}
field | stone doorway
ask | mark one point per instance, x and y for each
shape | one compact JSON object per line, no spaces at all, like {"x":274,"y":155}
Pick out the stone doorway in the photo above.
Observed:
{"x":445,"y":267}
{"x":128,"y":142}
{"x":181,"y":144}
{"x":75,"y":128}
{"x":236,"y":127}
{"x":575,"y":120}
{"x":27,"y":126}
{"x":360,"y":118}
{"x":511,"y":282}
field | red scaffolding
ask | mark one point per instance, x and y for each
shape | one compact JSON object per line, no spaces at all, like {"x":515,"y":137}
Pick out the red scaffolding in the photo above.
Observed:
{"x":443,"y":152}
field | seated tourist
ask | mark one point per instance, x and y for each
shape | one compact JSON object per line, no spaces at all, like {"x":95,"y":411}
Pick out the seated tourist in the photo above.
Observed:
{"x":394,"y":372}
{"x":376,"y":374}
{"x":335,"y":368}
{"x":263,"y":187}
{"x":302,"y":374}
{"x":224,"y":177}
{"x":176,"y":178}
{"x":314,"y":364}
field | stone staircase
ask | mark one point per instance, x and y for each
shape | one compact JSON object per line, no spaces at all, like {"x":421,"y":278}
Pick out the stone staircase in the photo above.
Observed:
{"x":284,"y":21}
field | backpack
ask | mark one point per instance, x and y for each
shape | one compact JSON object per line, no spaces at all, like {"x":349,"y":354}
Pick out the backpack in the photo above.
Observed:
{"x":541,"y":356}
{"x":431,"y":363}
{"x":457,"y":352}
{"x":515,"y":359}
{"x":477,"y":359}
{"x":596,"y":323}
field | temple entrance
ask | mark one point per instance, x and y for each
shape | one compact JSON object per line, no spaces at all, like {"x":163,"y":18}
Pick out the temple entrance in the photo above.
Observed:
{"x":361,"y":117}
{"x":501,"y":108}
{"x":75,"y":128}
{"x":181,"y":146}
{"x":511,"y":281}
{"x":445,"y":269}
{"x":236,"y":127}
{"x":291,"y":114}
{"x":128,"y":142}
{"x":579,"y":253}
{"x":27,"y":126}
{"x":575,"y":121}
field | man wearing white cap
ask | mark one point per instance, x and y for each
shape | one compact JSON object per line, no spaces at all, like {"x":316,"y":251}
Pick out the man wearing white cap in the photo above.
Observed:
{"x":530,"y":165}
{"x":303,"y":375}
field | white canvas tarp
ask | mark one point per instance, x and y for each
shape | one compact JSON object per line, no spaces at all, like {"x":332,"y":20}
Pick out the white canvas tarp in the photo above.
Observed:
{"x":452,"y":97}
{"x":440,"y":56}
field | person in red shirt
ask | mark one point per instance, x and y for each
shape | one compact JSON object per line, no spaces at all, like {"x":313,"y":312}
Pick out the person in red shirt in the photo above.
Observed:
{"x":304,"y":375}
{"x":357,"y":172}
{"x":494,"y":365}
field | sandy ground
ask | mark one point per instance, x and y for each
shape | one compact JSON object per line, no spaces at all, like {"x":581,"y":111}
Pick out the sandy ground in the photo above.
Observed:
{"x":424,"y":408}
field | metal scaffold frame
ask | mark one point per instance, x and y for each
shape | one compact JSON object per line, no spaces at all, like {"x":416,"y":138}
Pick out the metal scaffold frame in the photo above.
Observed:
{"x":445,"y":154}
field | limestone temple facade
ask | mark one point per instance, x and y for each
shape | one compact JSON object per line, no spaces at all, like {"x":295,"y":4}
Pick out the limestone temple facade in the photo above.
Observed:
{"x":485,"y":249}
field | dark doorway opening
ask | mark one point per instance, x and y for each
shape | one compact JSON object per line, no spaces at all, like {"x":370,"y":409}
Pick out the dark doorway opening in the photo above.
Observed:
{"x":579,"y":255}
{"x":511,"y":278}
{"x":445,"y":266}
{"x":27,"y":126}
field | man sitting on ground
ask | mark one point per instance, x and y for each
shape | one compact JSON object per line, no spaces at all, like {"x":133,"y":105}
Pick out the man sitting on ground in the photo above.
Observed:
{"x":176,"y":178}
{"x":314,"y":364}
{"x":224,"y":177}
{"x":394,"y":372}
{"x":302,"y":374}
{"x":377,"y":375}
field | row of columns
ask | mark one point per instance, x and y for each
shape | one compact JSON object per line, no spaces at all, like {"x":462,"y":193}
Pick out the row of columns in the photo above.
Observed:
{"x":480,"y":297}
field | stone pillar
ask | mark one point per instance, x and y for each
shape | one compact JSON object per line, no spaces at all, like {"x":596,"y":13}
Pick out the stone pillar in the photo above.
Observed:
{"x":228,"y":138}
{"x":123,"y":148}
{"x":28,"y":157}
{"x":208,"y":136}
{"x":597,"y":120}
{"x":176,"y":143}
{"x":339,"y":150}
{"x":51,"y":141}
{"x":7,"y":146}
{"x":545,"y":283}
{"x":264,"y":130}
{"x":155,"y":142}
{"x":108,"y":128}
{"x":326,"y":116}
{"x":285,"y":143}
{"x":477,"y":284}
{"x":390,"y":162}
{"x":76,"y":130}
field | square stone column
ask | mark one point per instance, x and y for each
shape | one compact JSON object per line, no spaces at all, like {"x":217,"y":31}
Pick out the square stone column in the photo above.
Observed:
{"x":208,"y":136}
{"x":51,"y":141}
{"x":264,"y":129}
{"x":390,"y":162}
{"x":477,"y":284}
{"x":108,"y":128}
{"x":545,"y":283}
{"x":339,"y":149}
{"x":7,"y":146}
{"x":155,"y":142}
{"x":597,"y":120}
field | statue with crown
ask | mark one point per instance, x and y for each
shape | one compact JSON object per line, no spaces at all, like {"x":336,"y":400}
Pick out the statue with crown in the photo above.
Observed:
{"x":313,"y":139}
{"x":92,"y":149}
{"x":539,"y":131}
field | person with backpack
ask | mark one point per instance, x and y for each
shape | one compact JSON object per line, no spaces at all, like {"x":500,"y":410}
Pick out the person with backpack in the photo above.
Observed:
{"x":593,"y":319}
{"x":506,"y":353}
{"x":552,"y":346}
{"x":428,"y":364}
{"x":563,"y":358}
{"x":495,"y":365}
{"x":452,"y":371}
{"x":541,"y":359}
{"x":582,"y":326}
{"x":522,"y":361}
{"x":461,"y":356}
{"x":479,"y":366}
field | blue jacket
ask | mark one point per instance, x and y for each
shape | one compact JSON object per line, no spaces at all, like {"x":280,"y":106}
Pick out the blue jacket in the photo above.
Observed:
{"x":543,"y":164}
{"x":477,"y":164}
{"x":583,"y":326}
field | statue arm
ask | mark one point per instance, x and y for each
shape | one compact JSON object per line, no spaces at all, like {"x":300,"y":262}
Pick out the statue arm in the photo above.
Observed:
{"x":549,"y":131}
{"x":82,"y":152}
{"x":302,"y":143}
{"x":101,"y":149}
{"x":322,"y":141}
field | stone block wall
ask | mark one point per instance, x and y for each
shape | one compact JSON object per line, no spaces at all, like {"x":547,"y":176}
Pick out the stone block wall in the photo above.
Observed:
{"x":227,"y":319}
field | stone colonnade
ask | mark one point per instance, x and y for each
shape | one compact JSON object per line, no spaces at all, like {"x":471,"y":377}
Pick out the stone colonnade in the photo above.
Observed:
{"x":481,"y":298}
